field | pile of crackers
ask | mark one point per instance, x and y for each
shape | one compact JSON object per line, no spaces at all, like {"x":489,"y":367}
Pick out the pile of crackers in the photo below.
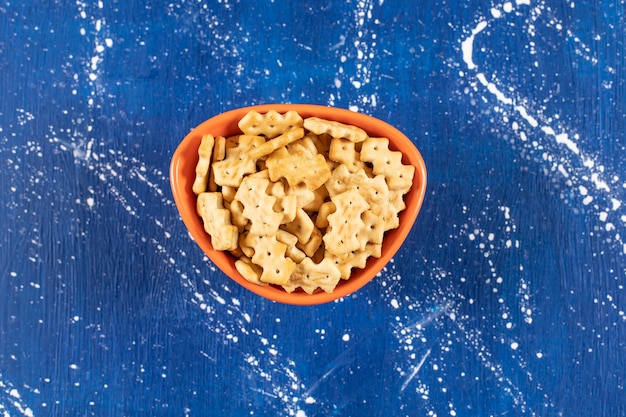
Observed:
{"x":299,"y":202}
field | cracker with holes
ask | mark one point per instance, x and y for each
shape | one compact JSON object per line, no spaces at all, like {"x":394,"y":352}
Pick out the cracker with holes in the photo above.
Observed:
{"x":219,"y":153}
{"x":285,"y":204}
{"x":344,"y":224}
{"x":344,"y":151}
{"x":374,"y":190}
{"x":388,"y":163}
{"x":237,"y":163}
{"x":249,"y":270}
{"x":310,"y":276}
{"x":258,"y":206}
{"x":270,"y":124}
{"x":298,"y":166}
{"x":270,"y":255}
{"x":302,"y":226}
{"x":356,"y":259}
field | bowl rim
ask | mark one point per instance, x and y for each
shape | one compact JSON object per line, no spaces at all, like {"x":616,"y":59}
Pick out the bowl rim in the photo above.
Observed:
{"x":182,"y":174}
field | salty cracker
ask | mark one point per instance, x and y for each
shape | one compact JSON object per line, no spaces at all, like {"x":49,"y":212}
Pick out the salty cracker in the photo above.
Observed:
{"x":388,"y":212}
{"x":205,"y":150}
{"x":321,"y":142}
{"x":236,"y":215}
{"x":249,"y":270}
{"x":312,"y":244}
{"x":219,"y":153}
{"x":388,"y":163}
{"x":373,"y":230}
{"x":302,"y":226}
{"x":335,"y":129}
{"x":344,"y":151}
{"x":285,"y":204}
{"x":258,"y":206}
{"x":270,"y":124}
{"x":374,"y":190}
{"x":270,"y":254}
{"x":291,"y":241}
{"x":216,"y":219}
{"x":355,"y":259}
{"x":228,"y":193}
{"x":298,"y":166}
{"x":320,"y":195}
{"x":308,"y":142}
{"x":303,"y":195}
{"x":310,"y":276}
{"x":321,"y":221}
{"x":237,"y":163}
{"x":345,"y":222}
{"x":245,"y":244}
{"x":271,"y":145}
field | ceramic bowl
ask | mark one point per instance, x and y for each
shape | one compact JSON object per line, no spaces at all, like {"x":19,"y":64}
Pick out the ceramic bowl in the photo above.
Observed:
{"x":182,"y":175}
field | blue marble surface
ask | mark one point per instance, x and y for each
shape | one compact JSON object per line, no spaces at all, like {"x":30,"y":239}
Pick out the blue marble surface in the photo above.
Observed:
{"x":507,"y":299}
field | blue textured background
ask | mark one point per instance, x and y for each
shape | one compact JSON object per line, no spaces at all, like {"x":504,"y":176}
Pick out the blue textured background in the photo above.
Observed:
{"x":507,"y":299}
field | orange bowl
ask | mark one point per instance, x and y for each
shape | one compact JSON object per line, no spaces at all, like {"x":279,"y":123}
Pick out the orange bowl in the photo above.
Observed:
{"x":182,"y":175}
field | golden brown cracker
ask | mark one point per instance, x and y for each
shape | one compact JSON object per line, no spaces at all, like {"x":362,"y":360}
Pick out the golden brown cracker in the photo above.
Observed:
{"x":276,"y":143}
{"x":270,"y":124}
{"x":310,"y":276}
{"x":216,"y":220}
{"x":345,"y":222}
{"x":387,"y":163}
{"x":344,"y":151}
{"x":374,"y":190}
{"x":258,"y":206}
{"x":269,"y":254}
{"x":219,"y":153}
{"x":302,"y":226}
{"x":335,"y":129}
{"x":297,"y":166}
{"x":237,"y":163}
{"x":310,"y":246}
{"x":321,"y":221}
{"x":205,"y":150}
{"x":249,"y":270}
